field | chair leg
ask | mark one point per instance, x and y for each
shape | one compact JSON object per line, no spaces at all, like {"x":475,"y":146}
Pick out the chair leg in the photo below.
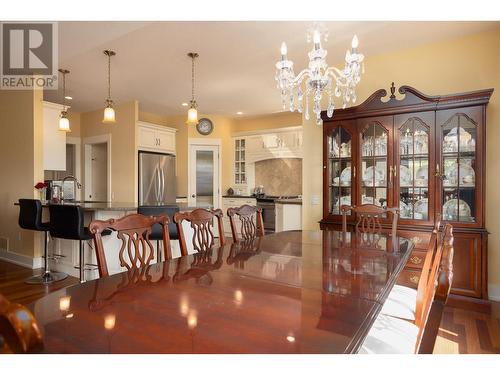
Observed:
{"x":82,"y":263}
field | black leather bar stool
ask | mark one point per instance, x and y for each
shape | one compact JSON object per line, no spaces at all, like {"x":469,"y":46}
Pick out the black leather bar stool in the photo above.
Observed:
{"x":66,"y":222}
{"x":156,"y":231}
{"x":30,"y":217}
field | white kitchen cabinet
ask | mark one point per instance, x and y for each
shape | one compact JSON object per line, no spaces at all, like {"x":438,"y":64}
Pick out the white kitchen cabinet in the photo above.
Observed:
{"x":228,"y":202}
{"x":54,"y":140}
{"x":156,"y":138}
{"x":279,"y":143}
{"x":288,"y":217}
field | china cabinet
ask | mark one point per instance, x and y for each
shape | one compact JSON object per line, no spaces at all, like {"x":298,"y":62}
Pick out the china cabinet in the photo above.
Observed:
{"x":425,"y":155}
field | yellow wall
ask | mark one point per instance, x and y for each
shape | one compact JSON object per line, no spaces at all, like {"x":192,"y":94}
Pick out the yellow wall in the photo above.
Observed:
{"x":123,"y":147}
{"x":452,"y":66}
{"x":74,"y":123}
{"x":21,"y":152}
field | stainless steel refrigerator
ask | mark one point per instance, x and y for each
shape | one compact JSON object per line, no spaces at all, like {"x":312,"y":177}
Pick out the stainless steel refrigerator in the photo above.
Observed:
{"x":157,"y":179}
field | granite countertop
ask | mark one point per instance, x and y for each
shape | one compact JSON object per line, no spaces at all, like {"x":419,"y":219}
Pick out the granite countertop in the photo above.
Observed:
{"x":122,"y":206}
{"x":238,"y":196}
{"x":289,"y":201}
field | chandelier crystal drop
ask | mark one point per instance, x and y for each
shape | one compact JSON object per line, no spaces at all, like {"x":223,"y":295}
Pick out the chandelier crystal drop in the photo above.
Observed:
{"x":318,"y":78}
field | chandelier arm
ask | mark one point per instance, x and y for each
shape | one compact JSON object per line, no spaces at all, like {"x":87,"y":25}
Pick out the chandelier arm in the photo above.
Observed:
{"x":301,"y":76}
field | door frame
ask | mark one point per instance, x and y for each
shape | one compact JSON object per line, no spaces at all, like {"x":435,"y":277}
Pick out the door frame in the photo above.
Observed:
{"x":205,"y":142}
{"x":87,"y":158}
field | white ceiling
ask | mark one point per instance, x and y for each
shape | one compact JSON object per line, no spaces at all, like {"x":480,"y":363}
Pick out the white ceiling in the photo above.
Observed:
{"x":235,"y":70}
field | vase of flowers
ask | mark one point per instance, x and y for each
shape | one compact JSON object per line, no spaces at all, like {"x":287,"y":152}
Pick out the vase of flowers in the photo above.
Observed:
{"x":41,"y":187}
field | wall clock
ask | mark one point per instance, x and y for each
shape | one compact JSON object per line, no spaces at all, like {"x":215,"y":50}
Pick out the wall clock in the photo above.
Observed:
{"x":205,"y":126}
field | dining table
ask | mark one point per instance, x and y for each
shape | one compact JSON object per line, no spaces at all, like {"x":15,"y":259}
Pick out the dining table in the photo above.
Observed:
{"x":288,"y":292}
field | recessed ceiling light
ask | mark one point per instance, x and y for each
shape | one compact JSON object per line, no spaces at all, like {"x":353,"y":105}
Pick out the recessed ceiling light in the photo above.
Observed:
{"x":184,"y":104}
{"x":68,"y":97}
{"x":239,"y":113}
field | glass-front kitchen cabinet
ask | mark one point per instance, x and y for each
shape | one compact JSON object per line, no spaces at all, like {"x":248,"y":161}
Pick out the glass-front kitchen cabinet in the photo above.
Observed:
{"x":422,"y":154}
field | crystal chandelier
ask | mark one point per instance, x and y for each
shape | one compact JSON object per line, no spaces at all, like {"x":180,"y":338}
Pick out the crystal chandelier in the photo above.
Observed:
{"x":319,"y":77}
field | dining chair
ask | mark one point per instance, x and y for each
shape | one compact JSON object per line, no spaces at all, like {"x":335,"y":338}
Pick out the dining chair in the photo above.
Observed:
{"x":19,"y":330}
{"x":369,"y":216}
{"x":157,"y":231}
{"x":251,"y":223}
{"x":133,"y":230}
{"x":241,"y":251}
{"x":200,"y":267}
{"x":390,"y":335}
{"x":202,"y":224}
{"x":404,"y":302}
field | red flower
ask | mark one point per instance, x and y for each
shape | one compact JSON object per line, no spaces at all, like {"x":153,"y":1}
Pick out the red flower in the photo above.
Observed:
{"x":40,"y":185}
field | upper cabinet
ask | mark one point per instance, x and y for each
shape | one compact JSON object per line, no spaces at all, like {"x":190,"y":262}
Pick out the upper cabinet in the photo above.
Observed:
{"x":156,"y":138}
{"x":280,"y":143}
{"x":54,"y":140}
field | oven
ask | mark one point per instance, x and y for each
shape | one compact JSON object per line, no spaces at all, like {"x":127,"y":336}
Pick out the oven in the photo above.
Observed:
{"x":268,"y":214}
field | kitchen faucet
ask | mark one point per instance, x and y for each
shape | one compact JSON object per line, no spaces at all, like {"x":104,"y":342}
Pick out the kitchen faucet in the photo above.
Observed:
{"x":69,"y":177}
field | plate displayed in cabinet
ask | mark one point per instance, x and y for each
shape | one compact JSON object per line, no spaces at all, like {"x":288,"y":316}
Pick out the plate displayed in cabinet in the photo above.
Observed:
{"x":460,"y":174}
{"x":345,"y":177}
{"x":422,"y":176}
{"x":369,"y":173}
{"x":405,"y":178}
{"x":455,"y":207}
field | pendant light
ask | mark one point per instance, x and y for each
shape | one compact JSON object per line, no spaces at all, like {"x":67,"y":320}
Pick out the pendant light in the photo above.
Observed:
{"x":109,"y":112}
{"x":192,"y":118}
{"x":63,"y":117}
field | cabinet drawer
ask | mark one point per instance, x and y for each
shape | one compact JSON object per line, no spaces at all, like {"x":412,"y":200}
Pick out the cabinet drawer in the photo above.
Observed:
{"x":416,"y":259}
{"x":409,"y":278}
{"x":420,"y":239}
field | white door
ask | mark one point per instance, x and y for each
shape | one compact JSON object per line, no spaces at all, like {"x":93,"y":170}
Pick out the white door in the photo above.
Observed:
{"x":204,"y":175}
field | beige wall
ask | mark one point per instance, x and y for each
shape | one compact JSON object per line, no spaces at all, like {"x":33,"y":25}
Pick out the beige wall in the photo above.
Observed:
{"x":74,"y":124}
{"x":123,"y":147}
{"x":452,"y":66}
{"x":21,"y":150}
{"x":272,"y":121}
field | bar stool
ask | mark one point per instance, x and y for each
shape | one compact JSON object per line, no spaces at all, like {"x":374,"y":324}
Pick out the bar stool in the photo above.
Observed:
{"x":30,"y":217}
{"x":156,"y":231}
{"x":66,"y":222}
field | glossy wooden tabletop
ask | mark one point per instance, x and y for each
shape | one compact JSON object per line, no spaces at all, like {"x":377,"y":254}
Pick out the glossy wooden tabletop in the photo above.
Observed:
{"x":289,"y":292}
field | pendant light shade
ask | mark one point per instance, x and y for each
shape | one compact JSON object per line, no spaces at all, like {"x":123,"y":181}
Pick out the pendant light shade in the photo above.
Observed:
{"x":109,"y":112}
{"x":192,"y":118}
{"x":64,"y":122}
{"x":63,"y":117}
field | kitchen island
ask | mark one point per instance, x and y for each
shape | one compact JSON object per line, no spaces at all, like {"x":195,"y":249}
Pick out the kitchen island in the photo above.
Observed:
{"x":66,"y":252}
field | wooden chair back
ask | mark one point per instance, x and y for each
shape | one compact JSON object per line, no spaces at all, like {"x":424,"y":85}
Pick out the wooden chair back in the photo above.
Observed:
{"x":251,"y":221}
{"x":133,"y":230}
{"x":201,"y":222}
{"x":436,"y":295}
{"x":426,"y":267}
{"x":19,"y":330}
{"x":368,"y":216}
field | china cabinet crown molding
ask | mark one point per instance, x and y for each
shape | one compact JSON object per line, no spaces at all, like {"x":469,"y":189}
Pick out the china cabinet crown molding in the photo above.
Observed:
{"x":372,"y":139}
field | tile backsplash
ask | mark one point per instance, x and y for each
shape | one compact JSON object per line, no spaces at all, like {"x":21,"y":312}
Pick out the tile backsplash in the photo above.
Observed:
{"x":279,"y":176}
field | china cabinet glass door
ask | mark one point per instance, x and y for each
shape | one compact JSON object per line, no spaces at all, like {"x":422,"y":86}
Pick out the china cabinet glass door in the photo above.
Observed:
{"x":340,"y":168}
{"x":375,"y":177}
{"x":239,"y":162}
{"x":459,"y":140}
{"x":414,"y":179}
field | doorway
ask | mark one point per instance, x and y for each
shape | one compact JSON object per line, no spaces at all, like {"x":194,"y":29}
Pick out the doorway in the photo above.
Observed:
{"x":97,"y":169}
{"x":204,"y":173}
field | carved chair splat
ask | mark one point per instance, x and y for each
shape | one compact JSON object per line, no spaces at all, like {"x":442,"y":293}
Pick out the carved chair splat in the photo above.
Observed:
{"x":201,"y":222}
{"x":369,"y":218}
{"x":250,"y":220}
{"x":133,"y":230}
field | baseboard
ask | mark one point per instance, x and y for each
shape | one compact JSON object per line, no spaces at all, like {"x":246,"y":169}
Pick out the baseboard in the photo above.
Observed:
{"x":494,"y":292}
{"x":21,"y":260}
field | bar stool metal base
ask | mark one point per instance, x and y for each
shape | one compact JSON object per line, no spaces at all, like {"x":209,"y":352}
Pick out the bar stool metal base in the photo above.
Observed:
{"x":46,"y":278}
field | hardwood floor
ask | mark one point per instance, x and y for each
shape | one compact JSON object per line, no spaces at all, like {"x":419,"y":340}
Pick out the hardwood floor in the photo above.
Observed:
{"x":461,"y":331}
{"x":13,"y":287}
